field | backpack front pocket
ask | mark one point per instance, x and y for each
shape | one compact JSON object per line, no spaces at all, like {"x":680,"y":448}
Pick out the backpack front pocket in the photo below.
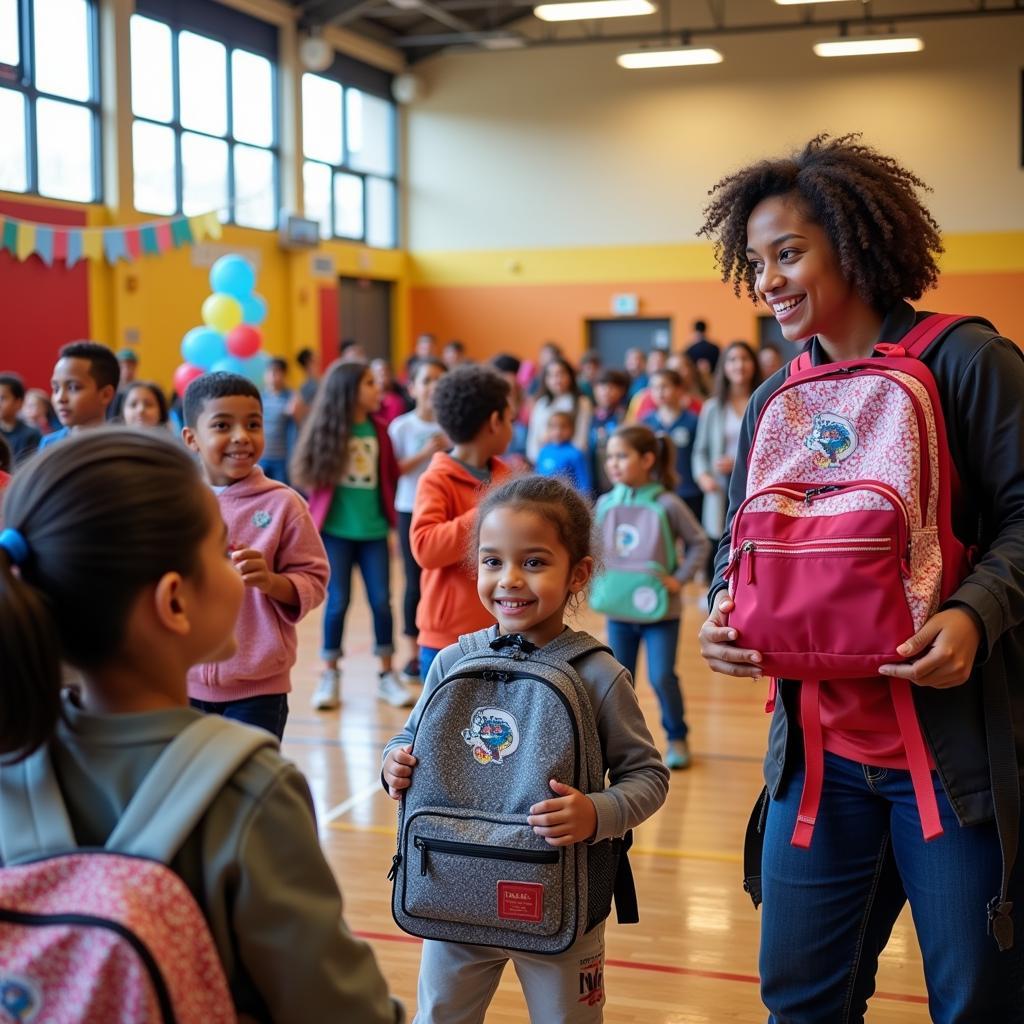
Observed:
{"x":630,"y":595}
{"x":480,"y":869}
{"x":819,"y":584}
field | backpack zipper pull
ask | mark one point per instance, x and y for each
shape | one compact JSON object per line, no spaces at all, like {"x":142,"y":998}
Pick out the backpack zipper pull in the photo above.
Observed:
{"x":395,"y":862}
{"x":749,"y":548}
{"x":813,"y":493}
{"x":734,"y":560}
{"x":421,"y":846}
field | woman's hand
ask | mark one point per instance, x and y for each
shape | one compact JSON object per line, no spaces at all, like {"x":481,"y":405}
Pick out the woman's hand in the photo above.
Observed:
{"x":724,"y":464}
{"x":949,"y":642}
{"x":398,"y":766}
{"x":716,"y":643}
{"x":570,"y":818}
{"x":707,"y":483}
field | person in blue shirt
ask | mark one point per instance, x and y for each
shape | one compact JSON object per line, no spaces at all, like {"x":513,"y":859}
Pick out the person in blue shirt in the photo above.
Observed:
{"x":278,"y":424}
{"x":85,"y":379}
{"x":676,"y":418}
{"x":560,"y":457}
{"x":609,"y":413}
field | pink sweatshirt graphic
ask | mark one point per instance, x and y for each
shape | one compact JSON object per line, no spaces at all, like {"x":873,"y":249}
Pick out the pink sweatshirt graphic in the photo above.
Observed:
{"x":270,"y":518}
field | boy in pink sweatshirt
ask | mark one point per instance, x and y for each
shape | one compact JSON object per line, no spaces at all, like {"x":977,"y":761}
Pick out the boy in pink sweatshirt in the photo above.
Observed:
{"x":272,"y":542}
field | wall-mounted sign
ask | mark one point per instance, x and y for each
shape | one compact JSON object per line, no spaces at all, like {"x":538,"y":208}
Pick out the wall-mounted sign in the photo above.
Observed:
{"x":625,"y":304}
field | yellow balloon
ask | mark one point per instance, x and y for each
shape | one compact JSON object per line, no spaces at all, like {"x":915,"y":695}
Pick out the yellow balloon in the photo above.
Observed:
{"x":222,"y":312}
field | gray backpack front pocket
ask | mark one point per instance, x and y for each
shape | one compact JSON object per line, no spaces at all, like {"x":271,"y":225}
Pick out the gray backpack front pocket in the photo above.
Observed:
{"x":482,"y":870}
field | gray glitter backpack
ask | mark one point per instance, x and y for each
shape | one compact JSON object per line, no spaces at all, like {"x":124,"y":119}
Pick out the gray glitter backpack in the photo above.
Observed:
{"x":504,"y":720}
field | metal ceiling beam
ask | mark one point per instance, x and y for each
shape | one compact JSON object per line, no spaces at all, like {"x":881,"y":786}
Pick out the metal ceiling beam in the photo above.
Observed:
{"x":660,"y":36}
{"x":387,"y":11}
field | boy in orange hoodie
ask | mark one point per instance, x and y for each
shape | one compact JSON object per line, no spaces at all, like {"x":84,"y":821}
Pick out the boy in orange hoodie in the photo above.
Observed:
{"x":471,"y":404}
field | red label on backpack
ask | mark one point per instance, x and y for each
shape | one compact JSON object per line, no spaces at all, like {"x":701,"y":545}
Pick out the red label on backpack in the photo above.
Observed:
{"x":521,"y":901}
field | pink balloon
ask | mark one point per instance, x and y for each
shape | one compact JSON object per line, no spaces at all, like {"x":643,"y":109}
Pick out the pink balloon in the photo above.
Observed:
{"x":244,"y":341}
{"x":184,"y":375}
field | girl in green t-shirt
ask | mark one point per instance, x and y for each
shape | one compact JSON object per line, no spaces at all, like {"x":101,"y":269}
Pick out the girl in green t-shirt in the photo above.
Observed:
{"x":345,"y":460}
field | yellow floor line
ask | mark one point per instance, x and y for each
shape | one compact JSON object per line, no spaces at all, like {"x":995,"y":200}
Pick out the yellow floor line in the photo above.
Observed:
{"x":647,"y":851}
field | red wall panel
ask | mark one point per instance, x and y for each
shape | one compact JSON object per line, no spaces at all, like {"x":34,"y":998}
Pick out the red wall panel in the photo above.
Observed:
{"x":41,"y":307}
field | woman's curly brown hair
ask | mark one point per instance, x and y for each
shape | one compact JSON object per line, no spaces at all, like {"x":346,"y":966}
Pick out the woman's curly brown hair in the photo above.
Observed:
{"x":886,"y":241}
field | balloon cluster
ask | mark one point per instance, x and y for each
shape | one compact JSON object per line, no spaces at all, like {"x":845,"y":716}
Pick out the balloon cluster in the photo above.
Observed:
{"x":231,"y":340}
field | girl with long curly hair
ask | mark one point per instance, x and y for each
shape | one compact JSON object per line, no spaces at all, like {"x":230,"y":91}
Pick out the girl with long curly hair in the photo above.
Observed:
{"x":345,"y":461}
{"x":835,"y":240}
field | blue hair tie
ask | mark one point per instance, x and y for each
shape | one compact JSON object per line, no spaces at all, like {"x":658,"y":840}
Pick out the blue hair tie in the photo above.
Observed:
{"x":14,"y":543}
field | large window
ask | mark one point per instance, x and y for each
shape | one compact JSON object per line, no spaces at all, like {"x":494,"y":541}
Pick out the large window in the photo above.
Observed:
{"x":349,"y":173}
{"x":49,"y":99}
{"x":205,"y":129}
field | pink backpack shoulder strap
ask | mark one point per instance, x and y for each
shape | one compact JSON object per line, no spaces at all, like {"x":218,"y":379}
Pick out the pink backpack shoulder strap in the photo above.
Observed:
{"x":922,"y":336}
{"x":801,"y":362}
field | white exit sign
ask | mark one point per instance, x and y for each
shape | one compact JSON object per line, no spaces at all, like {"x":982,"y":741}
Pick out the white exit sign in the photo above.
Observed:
{"x":625,"y":304}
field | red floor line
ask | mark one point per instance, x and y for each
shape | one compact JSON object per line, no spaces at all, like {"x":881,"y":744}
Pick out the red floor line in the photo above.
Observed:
{"x":639,"y":965}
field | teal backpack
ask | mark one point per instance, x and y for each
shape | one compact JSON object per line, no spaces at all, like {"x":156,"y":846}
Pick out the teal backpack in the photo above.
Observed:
{"x":639,"y":548}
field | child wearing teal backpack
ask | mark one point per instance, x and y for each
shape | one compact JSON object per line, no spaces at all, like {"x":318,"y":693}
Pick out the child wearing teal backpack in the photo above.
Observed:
{"x":652,"y":546}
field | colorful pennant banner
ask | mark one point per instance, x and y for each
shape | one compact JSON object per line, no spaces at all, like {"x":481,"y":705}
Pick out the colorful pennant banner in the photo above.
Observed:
{"x":52,"y":243}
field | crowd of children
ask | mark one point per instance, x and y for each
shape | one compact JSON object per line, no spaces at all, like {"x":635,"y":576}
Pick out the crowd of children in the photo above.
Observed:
{"x":172,"y":576}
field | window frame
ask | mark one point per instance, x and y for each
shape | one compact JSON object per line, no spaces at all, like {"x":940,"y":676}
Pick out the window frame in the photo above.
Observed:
{"x":176,"y":28}
{"x":345,"y":167}
{"x":21,"y":79}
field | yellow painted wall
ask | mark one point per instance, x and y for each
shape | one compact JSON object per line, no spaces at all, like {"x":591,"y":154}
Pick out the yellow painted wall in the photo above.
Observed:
{"x":513,"y":300}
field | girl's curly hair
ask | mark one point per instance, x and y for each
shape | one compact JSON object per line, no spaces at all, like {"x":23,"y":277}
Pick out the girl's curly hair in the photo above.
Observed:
{"x":886,"y":241}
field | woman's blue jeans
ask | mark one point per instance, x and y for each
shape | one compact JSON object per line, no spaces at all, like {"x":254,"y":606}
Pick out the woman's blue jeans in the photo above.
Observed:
{"x":374,"y":563}
{"x":662,"y":642}
{"x":828,"y":911}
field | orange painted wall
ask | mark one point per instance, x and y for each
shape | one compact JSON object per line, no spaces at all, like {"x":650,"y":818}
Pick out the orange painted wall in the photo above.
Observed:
{"x":519,"y":318}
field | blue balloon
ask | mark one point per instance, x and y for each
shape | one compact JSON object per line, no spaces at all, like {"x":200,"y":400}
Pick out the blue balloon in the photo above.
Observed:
{"x":233,"y":275}
{"x":256,"y":367}
{"x":254,"y":310}
{"x":230,"y":364}
{"x":203,"y":347}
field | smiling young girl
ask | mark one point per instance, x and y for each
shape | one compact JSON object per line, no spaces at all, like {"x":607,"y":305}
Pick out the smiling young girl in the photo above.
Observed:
{"x":114,"y":558}
{"x":834,"y":240}
{"x":640,"y":467}
{"x":533,"y":561}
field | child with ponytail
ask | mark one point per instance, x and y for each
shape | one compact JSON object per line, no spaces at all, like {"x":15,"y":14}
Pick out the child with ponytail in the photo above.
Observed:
{"x":652,"y":546}
{"x":115,"y":560}
{"x":344,"y":459}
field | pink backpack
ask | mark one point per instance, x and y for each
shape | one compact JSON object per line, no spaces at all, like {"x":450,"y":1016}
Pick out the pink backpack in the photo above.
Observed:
{"x":844,"y":545}
{"x":113,"y":936}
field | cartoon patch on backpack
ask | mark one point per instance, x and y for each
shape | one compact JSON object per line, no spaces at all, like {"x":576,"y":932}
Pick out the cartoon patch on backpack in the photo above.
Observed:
{"x":19,"y":999}
{"x":627,"y":537}
{"x":833,"y":439}
{"x":493,"y":735}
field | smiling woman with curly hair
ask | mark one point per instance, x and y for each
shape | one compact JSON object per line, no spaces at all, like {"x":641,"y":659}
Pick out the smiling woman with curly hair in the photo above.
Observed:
{"x":834,"y":240}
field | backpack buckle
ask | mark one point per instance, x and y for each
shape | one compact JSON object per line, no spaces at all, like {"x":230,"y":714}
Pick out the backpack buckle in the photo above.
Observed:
{"x":890,"y":351}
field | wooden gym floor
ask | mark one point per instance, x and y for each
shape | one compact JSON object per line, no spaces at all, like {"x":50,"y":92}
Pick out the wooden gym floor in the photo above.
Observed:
{"x":692,"y":959}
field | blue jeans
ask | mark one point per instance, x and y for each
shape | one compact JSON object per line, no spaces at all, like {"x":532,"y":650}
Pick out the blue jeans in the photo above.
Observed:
{"x":374,"y":565}
{"x":662,"y":641}
{"x":828,"y":911}
{"x":269,"y":712}
{"x":275,"y":469}
{"x":427,"y":656}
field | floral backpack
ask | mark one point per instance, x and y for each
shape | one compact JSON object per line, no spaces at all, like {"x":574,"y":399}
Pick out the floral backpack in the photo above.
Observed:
{"x":113,"y":936}
{"x":844,"y":545}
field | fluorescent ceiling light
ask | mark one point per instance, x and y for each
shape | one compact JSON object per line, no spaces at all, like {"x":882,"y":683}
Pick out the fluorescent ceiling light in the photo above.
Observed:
{"x":510,"y":41}
{"x":679,"y":57}
{"x":868,"y":45}
{"x":593,"y":9}
{"x":787,"y":3}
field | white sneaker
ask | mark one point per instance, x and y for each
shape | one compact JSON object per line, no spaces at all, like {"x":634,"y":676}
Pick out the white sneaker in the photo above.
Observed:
{"x":391,"y":689}
{"x":326,"y":697}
